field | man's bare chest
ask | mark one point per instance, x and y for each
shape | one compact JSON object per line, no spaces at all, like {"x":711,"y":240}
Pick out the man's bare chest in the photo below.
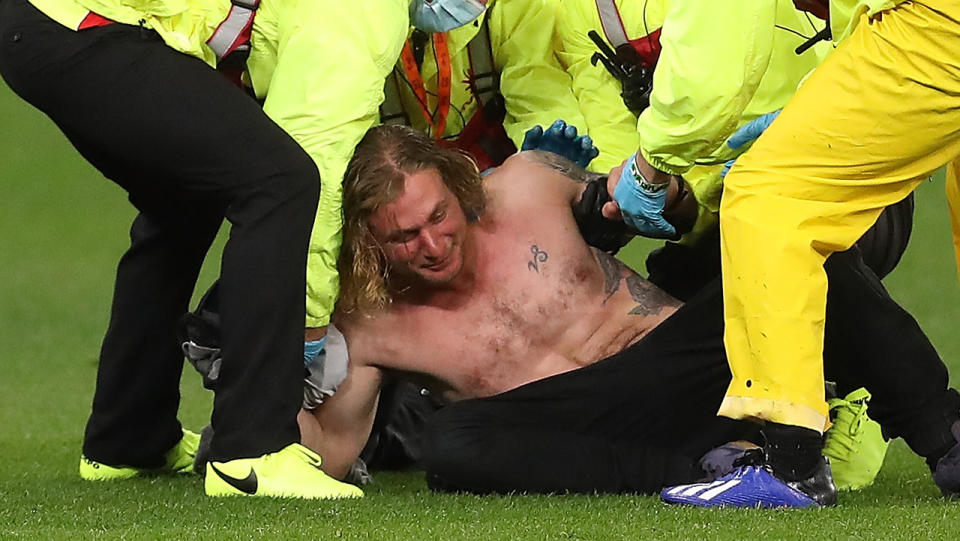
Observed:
{"x":532,"y":306}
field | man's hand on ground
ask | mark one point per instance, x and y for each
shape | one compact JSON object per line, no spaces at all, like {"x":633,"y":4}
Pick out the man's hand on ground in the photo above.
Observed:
{"x":562,"y":139}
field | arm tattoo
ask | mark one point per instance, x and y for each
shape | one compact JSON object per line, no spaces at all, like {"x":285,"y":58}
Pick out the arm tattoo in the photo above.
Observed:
{"x":649,"y":298}
{"x":565,"y":166}
{"x":612,"y":272}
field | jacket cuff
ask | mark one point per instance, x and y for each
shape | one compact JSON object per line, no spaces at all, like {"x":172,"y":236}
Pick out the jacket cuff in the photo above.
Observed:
{"x":662,"y":165}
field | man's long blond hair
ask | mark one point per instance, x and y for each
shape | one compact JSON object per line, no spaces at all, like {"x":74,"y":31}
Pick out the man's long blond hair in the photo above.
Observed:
{"x":375,"y":177}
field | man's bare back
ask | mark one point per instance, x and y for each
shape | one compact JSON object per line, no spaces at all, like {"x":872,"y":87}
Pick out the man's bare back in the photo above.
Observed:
{"x":535,"y":301}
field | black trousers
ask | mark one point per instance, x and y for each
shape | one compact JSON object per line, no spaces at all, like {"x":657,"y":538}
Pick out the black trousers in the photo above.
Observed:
{"x":641,"y":419}
{"x":191,"y":150}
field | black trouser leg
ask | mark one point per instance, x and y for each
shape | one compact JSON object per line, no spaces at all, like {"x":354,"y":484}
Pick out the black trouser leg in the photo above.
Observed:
{"x":134,"y":418}
{"x":871,"y":341}
{"x":262,"y":291}
{"x":172,"y":132}
{"x":634,"y":422}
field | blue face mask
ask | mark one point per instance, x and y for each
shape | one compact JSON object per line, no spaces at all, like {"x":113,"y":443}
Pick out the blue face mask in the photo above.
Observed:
{"x":444,"y":15}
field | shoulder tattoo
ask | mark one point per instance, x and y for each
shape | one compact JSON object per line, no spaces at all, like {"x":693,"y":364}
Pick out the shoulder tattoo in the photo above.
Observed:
{"x":564,"y":166}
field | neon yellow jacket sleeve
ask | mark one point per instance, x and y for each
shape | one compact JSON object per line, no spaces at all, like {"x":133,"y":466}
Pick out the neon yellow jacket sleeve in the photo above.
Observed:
{"x":844,"y":14}
{"x":184,"y":25}
{"x":711,"y":63}
{"x":534,"y":85}
{"x":321,"y":67}
{"x":609,"y":123}
{"x":703,"y":96}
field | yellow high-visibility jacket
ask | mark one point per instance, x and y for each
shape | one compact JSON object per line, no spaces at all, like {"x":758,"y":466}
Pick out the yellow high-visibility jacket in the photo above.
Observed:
{"x":844,"y":14}
{"x":535,"y":87}
{"x":319,"y":66}
{"x":721,"y":65}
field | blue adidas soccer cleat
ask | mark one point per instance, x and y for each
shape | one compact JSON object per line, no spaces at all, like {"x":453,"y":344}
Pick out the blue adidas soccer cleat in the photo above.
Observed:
{"x":756,"y":486}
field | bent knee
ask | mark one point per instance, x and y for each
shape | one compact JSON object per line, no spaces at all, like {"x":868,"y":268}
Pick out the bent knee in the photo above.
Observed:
{"x":284,"y":181}
{"x":297,"y":177}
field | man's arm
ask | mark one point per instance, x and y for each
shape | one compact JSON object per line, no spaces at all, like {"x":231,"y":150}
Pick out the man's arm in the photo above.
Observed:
{"x":611,"y":125}
{"x":323,"y":83}
{"x":338,"y":429}
{"x":731,"y":43}
{"x":535,"y":88}
{"x":587,"y":194}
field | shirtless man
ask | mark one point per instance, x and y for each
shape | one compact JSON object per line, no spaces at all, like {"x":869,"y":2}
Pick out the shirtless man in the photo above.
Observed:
{"x":486,"y":292}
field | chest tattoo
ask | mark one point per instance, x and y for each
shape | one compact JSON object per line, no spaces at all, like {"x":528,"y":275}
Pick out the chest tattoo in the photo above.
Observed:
{"x":539,"y":256}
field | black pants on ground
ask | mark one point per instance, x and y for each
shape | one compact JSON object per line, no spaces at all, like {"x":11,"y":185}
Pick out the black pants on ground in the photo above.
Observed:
{"x":190,"y":149}
{"x":640,"y":420}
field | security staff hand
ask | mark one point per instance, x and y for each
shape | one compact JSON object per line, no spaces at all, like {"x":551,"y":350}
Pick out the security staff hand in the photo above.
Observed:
{"x":748,"y":133}
{"x":561,"y":138}
{"x":313,"y":341}
{"x":640,"y":200}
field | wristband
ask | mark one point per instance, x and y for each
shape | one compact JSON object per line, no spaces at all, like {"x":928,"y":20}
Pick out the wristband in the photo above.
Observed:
{"x":644,"y":184}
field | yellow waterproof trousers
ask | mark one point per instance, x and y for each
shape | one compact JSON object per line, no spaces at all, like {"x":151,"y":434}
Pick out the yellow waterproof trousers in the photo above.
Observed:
{"x":875,"y":119}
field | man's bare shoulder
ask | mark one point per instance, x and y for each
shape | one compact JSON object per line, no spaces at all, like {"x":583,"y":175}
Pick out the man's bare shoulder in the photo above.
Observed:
{"x":535,"y":178}
{"x":541,"y":165}
{"x":366,"y":333}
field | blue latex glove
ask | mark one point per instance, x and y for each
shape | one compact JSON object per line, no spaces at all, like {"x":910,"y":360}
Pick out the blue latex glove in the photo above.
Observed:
{"x":642,"y":207}
{"x":312,"y":349}
{"x":748,"y":133}
{"x":561,"y":139}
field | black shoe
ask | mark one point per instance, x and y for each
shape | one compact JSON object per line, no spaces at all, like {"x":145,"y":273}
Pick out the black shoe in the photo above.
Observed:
{"x":946,"y":473}
{"x":819,"y":486}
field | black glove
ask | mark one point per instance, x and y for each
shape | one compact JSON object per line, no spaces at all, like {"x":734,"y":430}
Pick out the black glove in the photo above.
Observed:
{"x":600,"y":232}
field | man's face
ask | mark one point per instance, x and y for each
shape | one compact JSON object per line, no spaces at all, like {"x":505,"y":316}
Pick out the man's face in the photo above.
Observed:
{"x":422,"y":231}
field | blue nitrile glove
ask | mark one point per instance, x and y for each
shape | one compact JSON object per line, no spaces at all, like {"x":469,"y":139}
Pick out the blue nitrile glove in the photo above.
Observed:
{"x":312,"y":349}
{"x":561,"y":139}
{"x":642,"y":204}
{"x":748,"y":133}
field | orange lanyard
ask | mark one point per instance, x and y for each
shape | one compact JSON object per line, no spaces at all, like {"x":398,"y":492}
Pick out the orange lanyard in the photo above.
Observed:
{"x":438,"y":120}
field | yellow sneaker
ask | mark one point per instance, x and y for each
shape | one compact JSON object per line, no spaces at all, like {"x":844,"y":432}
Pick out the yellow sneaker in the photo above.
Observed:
{"x":855,"y":443}
{"x":179,"y":459}
{"x":292,"y":472}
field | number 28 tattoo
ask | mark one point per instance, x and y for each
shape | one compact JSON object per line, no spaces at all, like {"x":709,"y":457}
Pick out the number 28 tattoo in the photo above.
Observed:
{"x":539,"y":256}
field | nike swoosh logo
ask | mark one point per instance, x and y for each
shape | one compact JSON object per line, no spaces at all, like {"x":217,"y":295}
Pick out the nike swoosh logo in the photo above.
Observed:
{"x":246,"y":485}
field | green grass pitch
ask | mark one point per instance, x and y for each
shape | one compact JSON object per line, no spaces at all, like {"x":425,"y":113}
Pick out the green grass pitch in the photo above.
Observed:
{"x":62,"y":229}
